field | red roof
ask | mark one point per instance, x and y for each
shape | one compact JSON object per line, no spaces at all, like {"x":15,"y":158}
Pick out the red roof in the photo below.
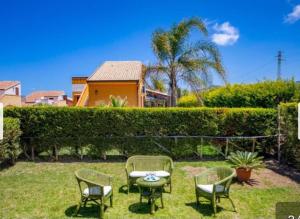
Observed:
{"x":4,"y":85}
{"x":39,"y":94}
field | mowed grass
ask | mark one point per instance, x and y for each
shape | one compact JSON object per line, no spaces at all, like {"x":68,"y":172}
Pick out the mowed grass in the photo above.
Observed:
{"x":49,"y":190}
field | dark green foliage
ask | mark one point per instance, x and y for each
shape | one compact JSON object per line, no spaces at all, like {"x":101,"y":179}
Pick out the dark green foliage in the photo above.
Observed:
{"x":289,"y":130}
{"x":103,"y":129}
{"x":267,"y":94}
{"x":10,"y":145}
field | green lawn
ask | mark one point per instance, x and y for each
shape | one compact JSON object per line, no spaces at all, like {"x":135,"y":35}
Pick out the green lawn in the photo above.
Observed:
{"x":49,"y":190}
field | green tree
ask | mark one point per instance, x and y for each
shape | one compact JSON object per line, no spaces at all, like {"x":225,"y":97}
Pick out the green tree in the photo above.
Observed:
{"x":180,"y":59}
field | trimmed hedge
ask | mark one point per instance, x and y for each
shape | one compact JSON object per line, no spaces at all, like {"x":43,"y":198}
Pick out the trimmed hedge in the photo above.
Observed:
{"x":61,"y":126}
{"x":289,"y":129}
{"x":10,"y":145}
{"x":267,"y":94}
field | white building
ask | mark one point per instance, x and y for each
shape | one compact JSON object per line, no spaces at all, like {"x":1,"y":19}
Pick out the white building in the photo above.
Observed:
{"x":57,"y":98}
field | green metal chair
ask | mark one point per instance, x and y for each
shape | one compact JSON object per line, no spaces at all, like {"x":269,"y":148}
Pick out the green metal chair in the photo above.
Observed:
{"x":140,"y":165}
{"x":214,"y":184}
{"x":94,"y":186}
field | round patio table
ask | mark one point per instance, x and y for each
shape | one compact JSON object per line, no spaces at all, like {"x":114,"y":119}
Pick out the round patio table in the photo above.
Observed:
{"x":151,"y":191}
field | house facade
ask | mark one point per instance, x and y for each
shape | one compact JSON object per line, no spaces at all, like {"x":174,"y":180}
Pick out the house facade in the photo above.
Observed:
{"x":117,"y":78}
{"x":10,"y":93}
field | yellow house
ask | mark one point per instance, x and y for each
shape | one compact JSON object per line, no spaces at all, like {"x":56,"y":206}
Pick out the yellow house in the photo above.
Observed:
{"x":117,"y":78}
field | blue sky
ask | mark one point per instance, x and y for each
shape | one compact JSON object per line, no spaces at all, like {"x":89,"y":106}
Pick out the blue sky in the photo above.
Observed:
{"x":44,"y":43}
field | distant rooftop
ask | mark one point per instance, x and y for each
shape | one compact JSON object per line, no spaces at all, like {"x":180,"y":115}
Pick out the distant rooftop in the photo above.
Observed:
{"x":118,"y":71}
{"x":4,"y":85}
{"x":31,"y":98}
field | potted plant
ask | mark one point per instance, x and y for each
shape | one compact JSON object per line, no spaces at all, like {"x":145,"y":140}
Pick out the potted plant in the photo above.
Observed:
{"x":244,"y":163}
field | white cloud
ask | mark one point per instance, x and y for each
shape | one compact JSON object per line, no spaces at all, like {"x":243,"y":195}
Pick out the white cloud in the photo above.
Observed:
{"x":226,"y":34}
{"x":293,"y":16}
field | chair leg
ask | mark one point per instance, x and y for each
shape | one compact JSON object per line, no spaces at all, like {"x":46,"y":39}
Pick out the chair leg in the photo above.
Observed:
{"x":111,"y":200}
{"x":162,"y":202}
{"x":214,"y":205}
{"x":232,"y":204}
{"x":128,"y":186}
{"x":85,"y":201}
{"x":197,"y":198}
{"x":78,"y":207}
{"x":101,"y":210}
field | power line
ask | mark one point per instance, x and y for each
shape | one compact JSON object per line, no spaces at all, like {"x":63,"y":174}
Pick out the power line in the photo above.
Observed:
{"x":261,"y":67}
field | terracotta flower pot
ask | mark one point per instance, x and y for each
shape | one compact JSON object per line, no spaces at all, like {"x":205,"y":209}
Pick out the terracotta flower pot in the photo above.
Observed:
{"x":243,"y":174}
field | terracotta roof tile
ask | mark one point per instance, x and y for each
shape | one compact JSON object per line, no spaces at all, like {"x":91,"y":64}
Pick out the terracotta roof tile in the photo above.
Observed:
{"x":118,"y":71}
{"x":4,"y":85}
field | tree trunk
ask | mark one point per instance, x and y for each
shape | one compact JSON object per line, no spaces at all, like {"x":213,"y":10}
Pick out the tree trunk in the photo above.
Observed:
{"x":173,"y":95}
{"x":173,"y":86}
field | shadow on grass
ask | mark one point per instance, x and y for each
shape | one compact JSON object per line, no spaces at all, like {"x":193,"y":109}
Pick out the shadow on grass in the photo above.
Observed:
{"x":204,"y":208}
{"x":90,"y":211}
{"x":250,"y":182}
{"x":141,"y":208}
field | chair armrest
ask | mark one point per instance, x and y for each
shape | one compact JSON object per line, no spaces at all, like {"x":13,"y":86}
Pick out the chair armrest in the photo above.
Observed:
{"x":169,"y":167}
{"x":225,"y":179}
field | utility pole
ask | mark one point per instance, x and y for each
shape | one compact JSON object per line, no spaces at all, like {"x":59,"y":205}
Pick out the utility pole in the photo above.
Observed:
{"x":279,"y":60}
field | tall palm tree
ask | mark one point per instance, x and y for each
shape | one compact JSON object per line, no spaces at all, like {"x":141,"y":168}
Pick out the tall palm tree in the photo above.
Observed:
{"x":179,"y":59}
{"x":154,"y":82}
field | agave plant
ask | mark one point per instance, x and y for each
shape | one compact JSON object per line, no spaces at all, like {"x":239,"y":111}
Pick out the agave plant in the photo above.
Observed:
{"x":118,"y":101}
{"x":246,"y":160}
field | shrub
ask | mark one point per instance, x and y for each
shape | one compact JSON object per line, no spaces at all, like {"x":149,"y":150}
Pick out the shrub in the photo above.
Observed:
{"x":289,"y":129}
{"x":189,"y":100}
{"x":267,"y":94}
{"x":10,"y":145}
{"x":55,"y":127}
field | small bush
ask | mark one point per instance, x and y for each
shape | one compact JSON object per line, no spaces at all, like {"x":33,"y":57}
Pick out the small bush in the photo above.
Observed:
{"x":10,"y":145}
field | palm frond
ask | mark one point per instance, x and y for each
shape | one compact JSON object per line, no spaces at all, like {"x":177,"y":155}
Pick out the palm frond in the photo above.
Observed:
{"x":118,"y":101}
{"x":161,"y":45}
{"x":245,"y":159}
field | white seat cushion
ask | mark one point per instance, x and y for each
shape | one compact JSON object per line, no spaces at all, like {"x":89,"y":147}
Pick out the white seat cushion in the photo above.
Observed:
{"x":160,"y":173}
{"x":96,"y":190}
{"x":209,"y":188}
